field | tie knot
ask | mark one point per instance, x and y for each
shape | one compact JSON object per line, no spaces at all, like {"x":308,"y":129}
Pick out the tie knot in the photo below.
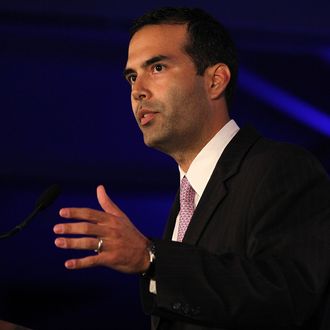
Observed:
{"x":187,"y":206}
{"x":187,"y":193}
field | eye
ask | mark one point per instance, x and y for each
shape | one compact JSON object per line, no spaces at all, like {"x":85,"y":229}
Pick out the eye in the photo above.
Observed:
{"x":131,"y":78}
{"x":158,"y":67}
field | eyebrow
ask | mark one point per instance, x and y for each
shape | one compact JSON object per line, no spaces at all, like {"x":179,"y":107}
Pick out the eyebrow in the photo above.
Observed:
{"x":147,"y":63}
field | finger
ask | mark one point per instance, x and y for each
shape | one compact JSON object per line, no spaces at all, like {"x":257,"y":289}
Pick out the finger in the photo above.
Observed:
{"x":87,"y":262}
{"x":83,"y":214}
{"x":106,"y":203}
{"x":85,"y":243}
{"x":79,"y":228}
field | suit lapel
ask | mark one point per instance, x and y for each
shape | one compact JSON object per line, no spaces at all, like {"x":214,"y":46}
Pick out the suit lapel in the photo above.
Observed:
{"x":215,"y":190}
{"x":172,"y":217}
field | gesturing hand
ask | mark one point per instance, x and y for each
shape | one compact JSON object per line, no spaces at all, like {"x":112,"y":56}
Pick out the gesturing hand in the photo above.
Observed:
{"x":124,"y":248}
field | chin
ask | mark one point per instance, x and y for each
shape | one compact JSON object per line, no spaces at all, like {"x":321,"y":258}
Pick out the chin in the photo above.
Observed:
{"x":161,"y":140}
{"x":154,"y":142}
{"x":150,"y":143}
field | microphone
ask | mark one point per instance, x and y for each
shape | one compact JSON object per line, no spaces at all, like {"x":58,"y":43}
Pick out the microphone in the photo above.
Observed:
{"x":45,"y":199}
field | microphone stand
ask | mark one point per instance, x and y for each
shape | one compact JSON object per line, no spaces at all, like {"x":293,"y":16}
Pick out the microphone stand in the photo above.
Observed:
{"x":46,"y":198}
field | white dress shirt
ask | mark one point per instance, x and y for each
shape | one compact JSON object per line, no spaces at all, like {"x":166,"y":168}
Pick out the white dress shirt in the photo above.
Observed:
{"x":202,"y":166}
{"x":201,"y":169}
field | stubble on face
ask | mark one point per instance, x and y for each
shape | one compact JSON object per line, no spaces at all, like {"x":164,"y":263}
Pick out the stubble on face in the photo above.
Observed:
{"x":179,"y":119}
{"x":176,"y":97}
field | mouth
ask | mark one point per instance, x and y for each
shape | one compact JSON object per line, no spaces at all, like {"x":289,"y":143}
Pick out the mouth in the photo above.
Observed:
{"x":146,"y":116}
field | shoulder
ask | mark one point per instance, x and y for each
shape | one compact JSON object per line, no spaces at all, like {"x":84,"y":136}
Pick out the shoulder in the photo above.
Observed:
{"x":267,"y":155}
{"x":273,"y":152}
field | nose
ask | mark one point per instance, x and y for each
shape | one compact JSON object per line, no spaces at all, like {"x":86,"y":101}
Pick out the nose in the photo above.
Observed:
{"x":139,"y":90}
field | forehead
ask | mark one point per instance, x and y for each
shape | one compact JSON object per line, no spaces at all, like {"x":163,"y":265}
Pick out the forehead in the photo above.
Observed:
{"x":153,"y":40}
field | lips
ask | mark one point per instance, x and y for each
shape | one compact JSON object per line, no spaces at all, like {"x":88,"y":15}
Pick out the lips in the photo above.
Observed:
{"x":146,"y":116}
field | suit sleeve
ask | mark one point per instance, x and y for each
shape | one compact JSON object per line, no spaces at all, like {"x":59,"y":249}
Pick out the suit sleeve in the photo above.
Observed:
{"x":281,"y":278}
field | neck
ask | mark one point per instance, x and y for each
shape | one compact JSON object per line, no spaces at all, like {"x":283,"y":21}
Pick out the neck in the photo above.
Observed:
{"x":185,"y":157}
{"x":184,"y":160}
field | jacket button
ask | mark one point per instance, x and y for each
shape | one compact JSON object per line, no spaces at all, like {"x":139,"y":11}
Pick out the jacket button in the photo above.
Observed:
{"x":176,"y":306}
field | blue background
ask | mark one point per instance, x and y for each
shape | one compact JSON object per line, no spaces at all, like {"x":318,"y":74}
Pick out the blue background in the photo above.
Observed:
{"x":66,"y":118}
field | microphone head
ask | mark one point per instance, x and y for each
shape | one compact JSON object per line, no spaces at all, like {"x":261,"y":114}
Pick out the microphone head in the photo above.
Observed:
{"x":48,"y":196}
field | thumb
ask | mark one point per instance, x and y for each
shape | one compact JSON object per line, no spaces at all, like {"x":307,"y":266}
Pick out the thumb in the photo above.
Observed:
{"x":106,"y":203}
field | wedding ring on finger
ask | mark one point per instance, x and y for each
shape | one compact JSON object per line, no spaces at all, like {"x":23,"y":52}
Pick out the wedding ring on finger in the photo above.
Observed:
{"x":99,"y":246}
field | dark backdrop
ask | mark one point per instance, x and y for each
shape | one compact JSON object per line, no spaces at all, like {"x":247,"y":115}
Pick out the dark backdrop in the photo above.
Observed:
{"x":66,"y":118}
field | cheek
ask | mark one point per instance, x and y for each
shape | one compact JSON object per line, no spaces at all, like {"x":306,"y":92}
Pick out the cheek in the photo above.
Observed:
{"x":186,"y":96}
{"x":178,"y":92}
{"x":133,"y":104}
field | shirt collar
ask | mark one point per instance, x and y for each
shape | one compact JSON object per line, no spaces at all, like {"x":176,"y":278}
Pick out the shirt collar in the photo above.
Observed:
{"x":202,"y":166}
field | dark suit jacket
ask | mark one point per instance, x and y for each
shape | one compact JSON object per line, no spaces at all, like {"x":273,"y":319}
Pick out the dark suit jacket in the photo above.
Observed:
{"x":256,"y":254}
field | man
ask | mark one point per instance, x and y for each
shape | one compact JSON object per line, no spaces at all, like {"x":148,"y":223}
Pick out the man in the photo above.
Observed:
{"x":250,"y":249}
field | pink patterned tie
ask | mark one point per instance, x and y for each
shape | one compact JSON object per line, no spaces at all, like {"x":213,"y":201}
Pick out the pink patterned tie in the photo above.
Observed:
{"x":187,"y":207}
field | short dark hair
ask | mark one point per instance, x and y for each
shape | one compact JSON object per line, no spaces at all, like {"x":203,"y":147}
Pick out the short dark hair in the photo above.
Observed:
{"x":209,"y":42}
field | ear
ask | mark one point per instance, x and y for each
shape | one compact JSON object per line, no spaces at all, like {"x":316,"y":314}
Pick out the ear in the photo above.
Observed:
{"x":218,"y":77}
